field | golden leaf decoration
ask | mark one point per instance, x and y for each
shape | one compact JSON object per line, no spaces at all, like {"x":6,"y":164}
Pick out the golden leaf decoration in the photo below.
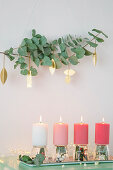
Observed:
{"x":95,"y":59}
{"x":3,"y":75}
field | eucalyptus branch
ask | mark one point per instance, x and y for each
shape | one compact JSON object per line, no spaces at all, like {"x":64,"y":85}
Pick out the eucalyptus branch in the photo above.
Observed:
{"x":92,"y":39}
{"x":41,"y":52}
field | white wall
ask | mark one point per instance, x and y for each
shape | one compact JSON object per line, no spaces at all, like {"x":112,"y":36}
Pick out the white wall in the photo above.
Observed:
{"x":89,"y":94}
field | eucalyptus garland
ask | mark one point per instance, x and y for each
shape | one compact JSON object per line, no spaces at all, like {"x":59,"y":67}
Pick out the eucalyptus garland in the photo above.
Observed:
{"x":63,"y":51}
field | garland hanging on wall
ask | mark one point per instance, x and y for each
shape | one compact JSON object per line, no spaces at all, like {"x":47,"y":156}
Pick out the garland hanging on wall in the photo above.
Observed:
{"x":67,"y":50}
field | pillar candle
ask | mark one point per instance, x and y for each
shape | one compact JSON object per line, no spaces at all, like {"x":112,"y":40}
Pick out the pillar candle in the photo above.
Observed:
{"x":39,"y":134}
{"x":102,"y":131}
{"x":60,"y":134}
{"x":81,"y":133}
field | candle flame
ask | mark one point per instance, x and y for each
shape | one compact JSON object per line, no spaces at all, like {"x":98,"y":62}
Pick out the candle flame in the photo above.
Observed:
{"x":81,"y":119}
{"x":40,"y":119}
{"x":103,"y":119}
{"x":60,"y":119}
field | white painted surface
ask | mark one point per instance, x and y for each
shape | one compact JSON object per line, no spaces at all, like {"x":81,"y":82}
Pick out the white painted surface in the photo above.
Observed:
{"x":91,"y":91}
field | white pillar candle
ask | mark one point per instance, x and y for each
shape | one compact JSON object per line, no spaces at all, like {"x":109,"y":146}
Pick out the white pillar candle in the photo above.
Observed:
{"x":39,"y":134}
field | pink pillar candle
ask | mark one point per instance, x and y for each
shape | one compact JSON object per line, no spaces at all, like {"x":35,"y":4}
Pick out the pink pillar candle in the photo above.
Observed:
{"x":81,"y":134}
{"x":102,"y":131}
{"x":60,"y":134}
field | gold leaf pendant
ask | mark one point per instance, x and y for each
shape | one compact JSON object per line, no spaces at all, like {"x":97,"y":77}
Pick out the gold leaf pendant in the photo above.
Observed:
{"x":95,"y":59}
{"x":3,"y":73}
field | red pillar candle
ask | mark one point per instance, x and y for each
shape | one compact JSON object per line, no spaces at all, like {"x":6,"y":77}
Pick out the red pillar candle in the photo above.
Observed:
{"x":60,"y":134}
{"x":81,"y":133}
{"x":102,"y":131}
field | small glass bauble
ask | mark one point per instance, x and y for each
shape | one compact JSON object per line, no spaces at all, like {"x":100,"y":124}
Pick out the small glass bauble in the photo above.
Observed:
{"x":61,"y":153}
{"x":102,"y":152}
{"x":81,"y":153}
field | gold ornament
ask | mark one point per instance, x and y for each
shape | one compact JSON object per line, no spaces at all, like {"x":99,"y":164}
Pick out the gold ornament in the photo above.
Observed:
{"x":29,"y":77}
{"x":68,"y":73}
{"x":53,"y":67}
{"x":95,"y":59}
{"x":3,"y":73}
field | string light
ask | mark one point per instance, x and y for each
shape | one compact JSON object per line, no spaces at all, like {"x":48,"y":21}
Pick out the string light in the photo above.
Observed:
{"x":29,"y":77}
{"x":95,"y":57}
{"x":53,"y":67}
{"x":29,"y":80}
{"x":68,"y":73}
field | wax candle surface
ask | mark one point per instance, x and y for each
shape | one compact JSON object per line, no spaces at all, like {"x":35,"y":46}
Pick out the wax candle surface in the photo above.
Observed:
{"x":102,"y":133}
{"x":60,"y":134}
{"x":39,"y":134}
{"x":81,"y":134}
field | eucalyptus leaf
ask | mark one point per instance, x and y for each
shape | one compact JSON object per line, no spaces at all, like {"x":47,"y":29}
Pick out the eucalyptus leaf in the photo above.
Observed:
{"x":10,"y":57}
{"x":79,"y":52}
{"x":57,"y":62}
{"x":35,"y":40}
{"x":37,"y":61}
{"x":22,"y":51}
{"x":38,"y":36}
{"x":35,"y":53}
{"x":73,"y":60}
{"x":92,"y":44}
{"x":24,"y":72}
{"x":87,"y":52}
{"x":96,"y":38}
{"x":70,"y":44}
{"x":100,"y":32}
{"x":46,"y":61}
{"x":43,"y":40}
{"x":23,"y":66}
{"x":33,"y":71}
{"x":64,"y":61}
{"x":64,"y":54}
{"x":47,"y":51}
{"x":23,"y":43}
{"x":62,"y":47}
{"x":59,"y":41}
{"x":32,"y":47}
{"x":41,"y":48}
{"x":21,"y":60}
{"x":55,"y":42}
{"x":33,"y":32}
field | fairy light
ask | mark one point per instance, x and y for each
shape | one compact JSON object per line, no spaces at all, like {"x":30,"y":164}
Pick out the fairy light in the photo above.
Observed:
{"x":29,"y":80}
{"x":95,"y":56}
{"x":53,"y":67}
{"x":29,"y":77}
{"x":69,"y":72}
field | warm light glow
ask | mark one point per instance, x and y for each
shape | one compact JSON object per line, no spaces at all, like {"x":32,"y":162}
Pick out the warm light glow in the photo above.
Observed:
{"x":81,"y":119}
{"x":103,"y":120}
{"x":1,"y":161}
{"x":60,"y":119}
{"x":69,"y":72}
{"x":67,"y":79}
{"x":29,"y":80}
{"x":52,"y":68}
{"x":40,"y":119}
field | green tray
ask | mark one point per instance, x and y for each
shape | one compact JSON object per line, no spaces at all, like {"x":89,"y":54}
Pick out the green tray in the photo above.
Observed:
{"x":67,"y":163}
